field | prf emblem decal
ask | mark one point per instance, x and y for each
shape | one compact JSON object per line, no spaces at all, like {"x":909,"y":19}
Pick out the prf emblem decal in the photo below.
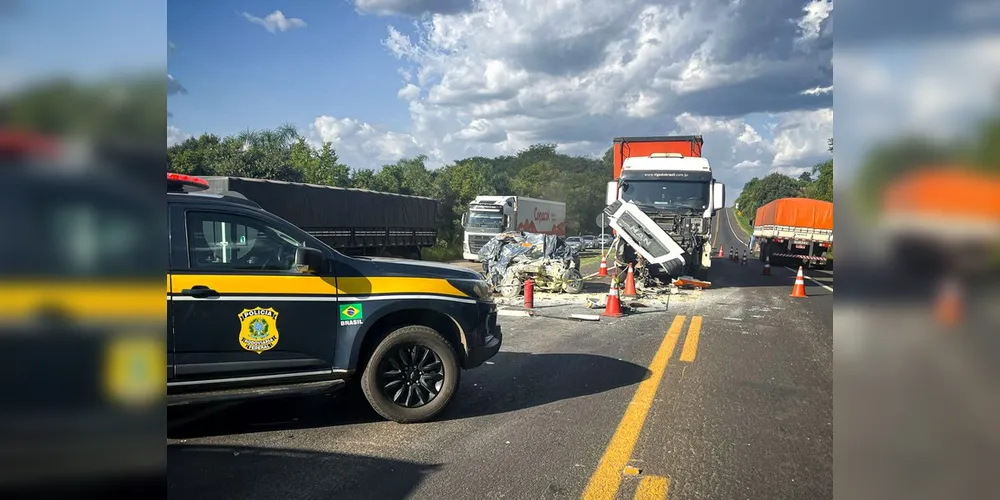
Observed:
{"x":258,"y":329}
{"x":351,"y":314}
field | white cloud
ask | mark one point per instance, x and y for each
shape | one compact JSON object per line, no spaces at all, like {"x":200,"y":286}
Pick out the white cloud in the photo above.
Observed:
{"x":811,"y":23}
{"x":409,"y":92}
{"x":176,"y":135}
{"x":362,"y":144}
{"x":275,"y":21}
{"x":491,"y":77}
{"x":801,"y":135}
{"x":818,"y":90}
{"x":747,"y":165}
{"x":174,"y":87}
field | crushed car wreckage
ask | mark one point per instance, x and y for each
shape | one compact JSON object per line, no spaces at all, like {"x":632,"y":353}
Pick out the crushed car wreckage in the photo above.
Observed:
{"x":511,"y":258}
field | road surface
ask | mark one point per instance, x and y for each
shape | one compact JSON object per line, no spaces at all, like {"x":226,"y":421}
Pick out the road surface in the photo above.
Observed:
{"x":724,"y":396}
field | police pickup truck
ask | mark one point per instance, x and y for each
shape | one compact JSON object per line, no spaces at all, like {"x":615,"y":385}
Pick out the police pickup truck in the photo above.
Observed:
{"x":259,"y":308}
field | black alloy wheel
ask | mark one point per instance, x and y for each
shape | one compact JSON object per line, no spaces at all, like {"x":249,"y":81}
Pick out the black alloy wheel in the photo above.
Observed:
{"x":411,"y":376}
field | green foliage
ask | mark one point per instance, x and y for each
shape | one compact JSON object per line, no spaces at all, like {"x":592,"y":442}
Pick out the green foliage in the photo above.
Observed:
{"x":538,"y":171}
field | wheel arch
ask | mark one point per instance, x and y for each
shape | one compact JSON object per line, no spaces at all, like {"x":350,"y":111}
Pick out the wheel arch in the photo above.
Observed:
{"x":439,"y":321}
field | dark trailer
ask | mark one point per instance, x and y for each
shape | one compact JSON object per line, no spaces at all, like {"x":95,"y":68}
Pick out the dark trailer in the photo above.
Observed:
{"x":353,"y":221}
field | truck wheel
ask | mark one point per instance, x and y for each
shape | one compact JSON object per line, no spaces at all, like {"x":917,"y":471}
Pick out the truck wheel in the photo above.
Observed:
{"x":412,"y":375}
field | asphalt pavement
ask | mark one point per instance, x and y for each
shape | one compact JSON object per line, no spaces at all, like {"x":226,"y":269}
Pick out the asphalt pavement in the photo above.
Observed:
{"x":726,"y":395}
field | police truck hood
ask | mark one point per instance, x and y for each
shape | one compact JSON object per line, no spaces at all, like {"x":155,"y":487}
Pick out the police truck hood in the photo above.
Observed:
{"x":419,"y":268}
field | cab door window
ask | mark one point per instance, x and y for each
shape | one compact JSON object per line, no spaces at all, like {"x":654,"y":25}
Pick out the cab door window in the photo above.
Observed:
{"x":222,"y":241}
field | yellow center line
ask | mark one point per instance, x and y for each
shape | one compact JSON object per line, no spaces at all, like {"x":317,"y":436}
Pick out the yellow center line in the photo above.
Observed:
{"x":690,"y":349}
{"x":607,"y":477}
{"x":652,"y":487}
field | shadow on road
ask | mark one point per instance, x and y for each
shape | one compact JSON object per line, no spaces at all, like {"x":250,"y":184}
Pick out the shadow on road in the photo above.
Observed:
{"x":224,"y":472}
{"x":513,"y":381}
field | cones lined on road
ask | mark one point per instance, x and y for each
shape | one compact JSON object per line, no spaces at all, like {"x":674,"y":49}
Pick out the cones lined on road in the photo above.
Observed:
{"x":799,"y":290}
{"x":629,"y":283}
{"x":603,"y":271}
{"x":613,"y":309}
{"x":744,"y":257}
{"x":732,"y":254}
{"x":767,"y":266}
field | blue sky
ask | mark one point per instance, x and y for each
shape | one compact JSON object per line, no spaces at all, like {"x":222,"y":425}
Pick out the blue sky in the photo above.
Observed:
{"x":238,"y":75}
{"x":83,"y":39}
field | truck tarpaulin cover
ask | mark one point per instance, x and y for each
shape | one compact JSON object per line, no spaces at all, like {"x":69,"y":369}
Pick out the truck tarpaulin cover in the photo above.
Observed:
{"x":310,"y":206}
{"x":515,"y":246}
{"x":796,"y":212}
{"x":952,"y":192}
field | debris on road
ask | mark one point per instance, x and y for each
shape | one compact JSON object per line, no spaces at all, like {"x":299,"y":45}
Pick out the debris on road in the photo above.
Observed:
{"x":689,"y":282}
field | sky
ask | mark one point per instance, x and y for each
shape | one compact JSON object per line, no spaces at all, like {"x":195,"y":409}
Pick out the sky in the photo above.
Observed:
{"x":386,"y":79}
{"x":87,"y":40}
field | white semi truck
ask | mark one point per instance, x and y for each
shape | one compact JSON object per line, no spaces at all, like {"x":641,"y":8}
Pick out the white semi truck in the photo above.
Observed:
{"x":669,"y":181}
{"x":489,"y":216}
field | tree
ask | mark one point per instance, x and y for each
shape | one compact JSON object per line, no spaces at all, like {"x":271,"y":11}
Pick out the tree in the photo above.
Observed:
{"x":329,"y":171}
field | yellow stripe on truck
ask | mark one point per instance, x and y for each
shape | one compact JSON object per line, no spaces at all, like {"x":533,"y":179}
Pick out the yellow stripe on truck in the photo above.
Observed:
{"x":313,"y":285}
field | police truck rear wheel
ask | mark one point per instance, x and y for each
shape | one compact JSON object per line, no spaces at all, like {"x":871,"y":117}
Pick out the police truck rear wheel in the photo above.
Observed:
{"x":412,"y":375}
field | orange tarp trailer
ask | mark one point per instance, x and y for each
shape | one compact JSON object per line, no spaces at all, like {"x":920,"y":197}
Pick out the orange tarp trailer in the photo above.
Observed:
{"x":796,"y":212}
{"x":946,"y":192}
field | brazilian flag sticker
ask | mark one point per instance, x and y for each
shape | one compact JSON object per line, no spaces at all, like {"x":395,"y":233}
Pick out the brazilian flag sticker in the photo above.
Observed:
{"x":351,"y":314}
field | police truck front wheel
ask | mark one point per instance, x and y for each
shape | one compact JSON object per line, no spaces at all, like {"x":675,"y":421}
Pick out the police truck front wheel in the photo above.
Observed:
{"x":412,"y":375}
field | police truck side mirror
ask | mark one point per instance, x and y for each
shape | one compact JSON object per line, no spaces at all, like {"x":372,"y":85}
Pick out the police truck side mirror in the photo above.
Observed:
{"x":611,"y":193}
{"x":309,"y":260}
{"x":465,"y":219}
{"x":718,"y":196}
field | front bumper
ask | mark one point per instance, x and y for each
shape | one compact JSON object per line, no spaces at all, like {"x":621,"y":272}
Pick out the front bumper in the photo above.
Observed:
{"x":485,"y":342}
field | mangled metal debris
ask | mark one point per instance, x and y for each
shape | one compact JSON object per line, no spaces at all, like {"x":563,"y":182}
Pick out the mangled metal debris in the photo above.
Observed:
{"x":511,"y":258}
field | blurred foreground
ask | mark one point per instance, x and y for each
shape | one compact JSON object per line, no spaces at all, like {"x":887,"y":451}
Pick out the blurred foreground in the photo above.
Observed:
{"x":81,"y":280}
{"x":917,"y":318}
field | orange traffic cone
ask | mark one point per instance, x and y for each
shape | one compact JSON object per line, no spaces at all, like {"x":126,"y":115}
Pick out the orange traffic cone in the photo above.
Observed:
{"x":767,"y":266}
{"x":799,"y":290}
{"x":629,"y":283}
{"x":603,"y":271}
{"x":721,"y":252}
{"x":613,"y":309}
{"x":948,"y":309}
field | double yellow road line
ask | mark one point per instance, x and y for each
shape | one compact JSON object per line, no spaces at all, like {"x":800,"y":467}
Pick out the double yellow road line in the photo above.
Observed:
{"x":607,"y":478}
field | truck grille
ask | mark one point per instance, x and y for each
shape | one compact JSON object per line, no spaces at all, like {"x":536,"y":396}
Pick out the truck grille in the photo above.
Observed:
{"x":476,"y":242}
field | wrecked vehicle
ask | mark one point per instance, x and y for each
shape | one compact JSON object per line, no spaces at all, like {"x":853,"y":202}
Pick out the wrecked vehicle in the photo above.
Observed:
{"x":511,"y":258}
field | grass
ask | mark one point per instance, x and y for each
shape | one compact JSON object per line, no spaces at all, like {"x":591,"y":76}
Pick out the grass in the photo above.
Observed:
{"x":743,"y":222}
{"x":590,"y":259}
{"x":442,"y":252}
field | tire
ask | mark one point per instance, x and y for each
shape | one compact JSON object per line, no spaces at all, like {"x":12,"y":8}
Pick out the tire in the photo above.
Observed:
{"x":510,"y":286}
{"x":572,"y":281}
{"x":389,"y":348}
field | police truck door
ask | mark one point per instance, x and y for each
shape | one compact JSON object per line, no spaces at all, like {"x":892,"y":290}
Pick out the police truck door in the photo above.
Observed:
{"x":240,"y":309}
